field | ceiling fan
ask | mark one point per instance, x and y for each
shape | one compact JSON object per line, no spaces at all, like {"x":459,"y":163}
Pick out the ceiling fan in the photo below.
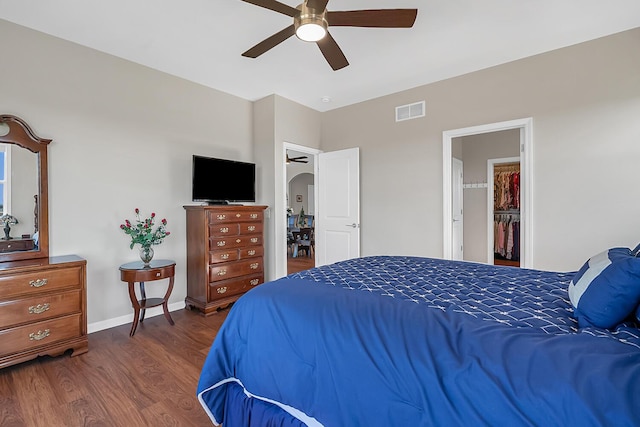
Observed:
{"x":311,"y":20}
{"x":299,"y":159}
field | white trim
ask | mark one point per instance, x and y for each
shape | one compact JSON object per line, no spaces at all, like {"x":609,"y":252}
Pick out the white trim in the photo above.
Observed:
{"x":526,"y":174}
{"x":281,"y":223}
{"x":123,"y":320}
{"x":490,"y":236}
{"x":294,"y":412}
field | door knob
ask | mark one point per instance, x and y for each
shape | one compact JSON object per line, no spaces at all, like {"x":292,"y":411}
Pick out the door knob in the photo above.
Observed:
{"x":354,"y":225}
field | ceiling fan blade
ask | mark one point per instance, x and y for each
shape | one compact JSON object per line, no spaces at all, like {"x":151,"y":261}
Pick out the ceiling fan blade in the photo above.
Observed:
{"x":332,"y":52}
{"x":276,"y":6}
{"x":378,"y":18}
{"x":270,"y":42}
{"x":317,"y":4}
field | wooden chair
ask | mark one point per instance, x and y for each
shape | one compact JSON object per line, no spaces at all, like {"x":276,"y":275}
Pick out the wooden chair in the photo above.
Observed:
{"x":302,"y":239}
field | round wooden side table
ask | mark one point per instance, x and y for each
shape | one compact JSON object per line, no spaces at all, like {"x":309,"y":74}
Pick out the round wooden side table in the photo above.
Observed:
{"x":137,"y":272}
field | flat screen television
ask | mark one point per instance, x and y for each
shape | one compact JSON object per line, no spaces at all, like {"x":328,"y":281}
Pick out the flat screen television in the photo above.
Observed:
{"x":221,"y":181}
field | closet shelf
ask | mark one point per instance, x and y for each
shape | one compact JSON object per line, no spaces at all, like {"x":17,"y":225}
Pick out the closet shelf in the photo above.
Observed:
{"x":475,"y":185}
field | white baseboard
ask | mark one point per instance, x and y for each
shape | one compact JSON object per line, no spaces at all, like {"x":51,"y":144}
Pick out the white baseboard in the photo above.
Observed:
{"x":122,"y":320}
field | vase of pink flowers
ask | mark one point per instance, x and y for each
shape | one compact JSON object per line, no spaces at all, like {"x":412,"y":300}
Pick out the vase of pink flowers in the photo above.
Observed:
{"x":144,"y":232}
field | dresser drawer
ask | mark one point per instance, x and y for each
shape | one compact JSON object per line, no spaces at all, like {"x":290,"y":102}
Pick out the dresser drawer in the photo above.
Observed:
{"x":226,"y":288}
{"x":216,"y":257}
{"x":223,"y":256}
{"x":251,"y":228}
{"x":222,"y":229}
{"x":37,"y":334}
{"x":234,"y":216}
{"x":34,"y":309}
{"x":251,"y":251}
{"x":235,"y":269}
{"x":234,"y":242}
{"x":16,"y":245}
{"x":40,"y":281}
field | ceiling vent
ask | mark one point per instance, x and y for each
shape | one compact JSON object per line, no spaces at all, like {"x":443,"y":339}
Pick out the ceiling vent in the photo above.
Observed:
{"x":410,"y":111}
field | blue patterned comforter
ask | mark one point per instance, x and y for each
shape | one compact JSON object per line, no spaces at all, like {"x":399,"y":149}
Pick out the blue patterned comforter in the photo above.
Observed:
{"x":405,"y":341}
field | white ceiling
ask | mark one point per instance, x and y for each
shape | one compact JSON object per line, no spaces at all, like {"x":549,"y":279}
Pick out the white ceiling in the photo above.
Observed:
{"x":202,"y":40}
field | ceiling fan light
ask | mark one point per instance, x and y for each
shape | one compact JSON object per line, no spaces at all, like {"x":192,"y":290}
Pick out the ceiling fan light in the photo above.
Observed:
{"x":311,"y":32}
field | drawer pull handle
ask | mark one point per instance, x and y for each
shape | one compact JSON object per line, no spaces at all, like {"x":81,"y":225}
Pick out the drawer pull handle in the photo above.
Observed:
{"x":251,"y":252}
{"x":251,"y":228}
{"x":253,"y":216}
{"x":238,"y":215}
{"x":158,"y":274}
{"x":38,"y":309}
{"x":254,"y":282}
{"x":40,"y":335}
{"x":238,"y":240}
{"x":222,"y":272}
{"x":254,"y":265}
{"x":222,"y":290}
{"x":38,"y":283}
{"x":224,"y":256}
{"x":222,"y":243}
{"x":224,"y":229}
{"x":221,"y":216}
{"x":254,"y":240}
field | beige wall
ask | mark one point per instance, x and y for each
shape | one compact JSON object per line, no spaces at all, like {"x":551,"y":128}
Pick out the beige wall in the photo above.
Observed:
{"x":24,"y":185}
{"x":585,"y":104}
{"x":123,"y":136}
{"x":299,"y":185}
{"x":475,"y":150}
{"x":279,"y":120}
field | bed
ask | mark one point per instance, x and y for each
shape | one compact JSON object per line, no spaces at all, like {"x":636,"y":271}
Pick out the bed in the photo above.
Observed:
{"x":408,"y":341}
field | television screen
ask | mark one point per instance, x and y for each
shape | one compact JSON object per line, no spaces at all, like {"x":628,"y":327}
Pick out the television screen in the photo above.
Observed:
{"x":223,"y":181}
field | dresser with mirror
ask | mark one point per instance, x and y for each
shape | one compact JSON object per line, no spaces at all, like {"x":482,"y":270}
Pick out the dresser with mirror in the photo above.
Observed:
{"x":42,"y":298}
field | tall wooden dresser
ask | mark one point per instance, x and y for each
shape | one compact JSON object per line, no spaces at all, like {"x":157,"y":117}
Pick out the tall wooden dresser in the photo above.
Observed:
{"x":42,"y":308}
{"x":225,"y":254}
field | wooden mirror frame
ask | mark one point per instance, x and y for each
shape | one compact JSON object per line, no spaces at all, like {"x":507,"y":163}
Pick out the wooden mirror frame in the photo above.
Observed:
{"x":21,"y":135}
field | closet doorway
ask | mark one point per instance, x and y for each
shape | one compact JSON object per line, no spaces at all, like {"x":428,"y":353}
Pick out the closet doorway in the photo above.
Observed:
{"x":476,"y":188}
{"x":503,"y":211}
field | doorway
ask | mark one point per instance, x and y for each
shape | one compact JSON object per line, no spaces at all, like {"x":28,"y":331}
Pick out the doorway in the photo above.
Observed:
{"x":503,"y":211}
{"x":300,"y":167}
{"x":524,"y":131}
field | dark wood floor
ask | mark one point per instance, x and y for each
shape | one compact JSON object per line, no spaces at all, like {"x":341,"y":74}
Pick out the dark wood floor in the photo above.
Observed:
{"x":149,"y":379}
{"x":299,"y":263}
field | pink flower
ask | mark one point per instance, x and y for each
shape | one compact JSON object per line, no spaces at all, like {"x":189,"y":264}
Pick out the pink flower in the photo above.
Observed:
{"x":164,"y":221}
{"x":167,"y":233}
{"x":137,"y":211}
{"x":153,"y":214}
{"x":121,"y":225}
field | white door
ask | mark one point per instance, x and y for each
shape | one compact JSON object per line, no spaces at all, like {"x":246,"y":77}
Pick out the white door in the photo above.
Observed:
{"x":337,"y":231}
{"x":457,"y":209}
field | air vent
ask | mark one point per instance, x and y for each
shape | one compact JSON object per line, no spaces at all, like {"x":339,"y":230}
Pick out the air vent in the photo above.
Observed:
{"x":410,"y":111}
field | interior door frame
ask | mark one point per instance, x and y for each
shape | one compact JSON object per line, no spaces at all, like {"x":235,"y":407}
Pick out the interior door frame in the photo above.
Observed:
{"x":526,"y":185}
{"x":461,"y":195}
{"x":281,"y":223}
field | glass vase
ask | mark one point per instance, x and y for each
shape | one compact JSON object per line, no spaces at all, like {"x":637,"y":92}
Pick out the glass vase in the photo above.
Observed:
{"x":146,"y":254}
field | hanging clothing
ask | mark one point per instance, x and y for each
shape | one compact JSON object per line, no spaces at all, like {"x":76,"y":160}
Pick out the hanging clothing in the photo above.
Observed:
{"x":507,"y":236}
{"x":506,"y":188}
{"x":506,"y":203}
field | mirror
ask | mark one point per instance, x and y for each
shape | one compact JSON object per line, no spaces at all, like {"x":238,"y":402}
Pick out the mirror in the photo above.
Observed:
{"x":24,"y":217}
